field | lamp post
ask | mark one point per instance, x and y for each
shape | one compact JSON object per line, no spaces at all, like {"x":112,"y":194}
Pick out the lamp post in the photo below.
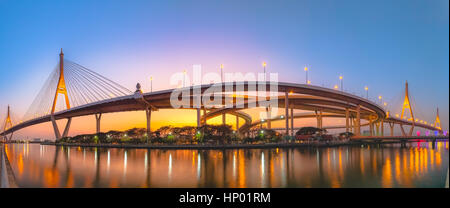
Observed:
{"x":151,"y":84}
{"x":380,"y":98}
{"x":306,"y":71}
{"x":221,"y":72}
{"x":184,"y":78}
{"x":367,"y":92}
{"x":341,"y":78}
{"x":264,"y":66}
{"x":221,"y":77}
{"x":336,"y":87}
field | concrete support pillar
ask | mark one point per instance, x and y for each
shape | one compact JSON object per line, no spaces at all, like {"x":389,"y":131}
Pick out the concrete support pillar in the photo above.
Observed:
{"x":55,"y":127}
{"x":66,"y":130}
{"x":198,"y":118}
{"x":411,"y":130}
{"x":317,"y":118}
{"x":382,"y":127}
{"x":392,"y":128}
{"x":351,"y":124}
{"x":237,"y":123}
{"x":403,"y":130}
{"x":377,"y":127}
{"x":286,"y":113}
{"x":204,"y":116}
{"x":269,"y":117}
{"x":358,"y":121}
{"x":10,"y":137}
{"x":148,"y":114}
{"x":224,"y":120}
{"x":320,"y":119}
{"x":370,"y":126}
{"x":98,"y":117}
{"x":292,"y":121}
{"x":347,"y":122}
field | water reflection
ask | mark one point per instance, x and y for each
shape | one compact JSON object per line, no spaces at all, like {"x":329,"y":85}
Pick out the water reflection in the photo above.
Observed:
{"x":417,"y":165}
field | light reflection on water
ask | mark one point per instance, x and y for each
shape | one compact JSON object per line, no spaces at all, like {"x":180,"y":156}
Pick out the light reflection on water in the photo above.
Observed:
{"x":418,"y":165}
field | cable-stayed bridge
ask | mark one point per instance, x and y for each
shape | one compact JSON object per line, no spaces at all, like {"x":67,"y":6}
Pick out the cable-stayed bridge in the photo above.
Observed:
{"x":85,"y":92}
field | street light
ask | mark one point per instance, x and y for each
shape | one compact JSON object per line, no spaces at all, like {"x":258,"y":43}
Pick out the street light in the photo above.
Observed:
{"x":341,"y":78}
{"x":264,"y":66}
{"x":221,"y":72}
{"x":335,"y":87}
{"x":309,"y":82}
{"x":380,"y":98}
{"x":367,"y":92}
{"x":184,"y":78}
{"x":306,"y":71}
{"x":151,"y":84}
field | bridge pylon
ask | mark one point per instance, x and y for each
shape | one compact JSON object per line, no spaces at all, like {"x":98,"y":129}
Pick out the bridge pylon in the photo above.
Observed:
{"x":437,"y":122}
{"x":407,"y":105}
{"x":60,"y":89}
{"x":8,"y":124}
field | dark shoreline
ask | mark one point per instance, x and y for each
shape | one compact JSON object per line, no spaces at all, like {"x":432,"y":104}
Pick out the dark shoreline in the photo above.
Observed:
{"x":226,"y":146}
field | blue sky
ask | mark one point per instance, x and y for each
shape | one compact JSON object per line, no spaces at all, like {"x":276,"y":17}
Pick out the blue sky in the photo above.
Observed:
{"x":380,"y":44}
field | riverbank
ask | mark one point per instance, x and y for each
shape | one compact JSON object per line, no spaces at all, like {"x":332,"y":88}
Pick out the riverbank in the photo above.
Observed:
{"x":446,"y":183}
{"x":7,"y":179}
{"x":202,"y":146}
{"x":224,"y":146}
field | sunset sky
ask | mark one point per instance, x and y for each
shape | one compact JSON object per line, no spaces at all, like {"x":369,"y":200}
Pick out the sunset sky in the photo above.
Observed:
{"x":379,"y":44}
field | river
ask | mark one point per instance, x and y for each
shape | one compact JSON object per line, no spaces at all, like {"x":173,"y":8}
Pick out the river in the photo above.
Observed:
{"x":420,"y":164}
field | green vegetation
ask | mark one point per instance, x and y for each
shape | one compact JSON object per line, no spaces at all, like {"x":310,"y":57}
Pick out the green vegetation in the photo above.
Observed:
{"x":310,"y":131}
{"x":208,"y":134}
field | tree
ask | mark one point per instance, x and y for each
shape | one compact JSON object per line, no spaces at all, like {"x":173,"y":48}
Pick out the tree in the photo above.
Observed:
{"x":309,"y":131}
{"x":266,"y":135}
{"x":217,"y":133}
{"x":346,"y":134}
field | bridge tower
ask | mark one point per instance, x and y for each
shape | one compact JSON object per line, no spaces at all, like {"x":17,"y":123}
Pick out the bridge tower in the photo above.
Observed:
{"x":60,"y":89}
{"x":407,"y":105}
{"x":437,"y":122}
{"x":8,"y":124}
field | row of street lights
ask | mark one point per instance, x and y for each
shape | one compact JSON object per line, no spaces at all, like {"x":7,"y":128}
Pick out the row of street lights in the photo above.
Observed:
{"x":307,"y":81}
{"x":416,"y":120}
{"x":264,"y":64}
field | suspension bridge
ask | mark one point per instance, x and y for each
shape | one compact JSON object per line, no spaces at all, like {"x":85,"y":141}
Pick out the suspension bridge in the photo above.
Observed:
{"x":85,"y":92}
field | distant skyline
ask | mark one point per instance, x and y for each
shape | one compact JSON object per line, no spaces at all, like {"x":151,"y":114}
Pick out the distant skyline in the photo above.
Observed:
{"x":379,"y":44}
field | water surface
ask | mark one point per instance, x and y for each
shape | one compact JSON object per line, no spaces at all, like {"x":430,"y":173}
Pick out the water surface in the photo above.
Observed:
{"x":416,"y":165}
